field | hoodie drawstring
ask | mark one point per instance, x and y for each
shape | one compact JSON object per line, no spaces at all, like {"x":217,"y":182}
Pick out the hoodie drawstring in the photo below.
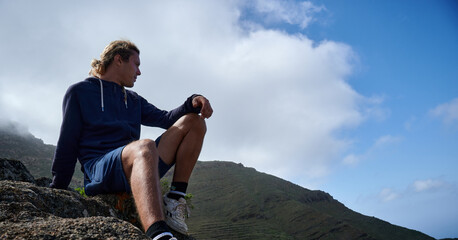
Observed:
{"x":101,"y":95}
{"x":125,"y":96}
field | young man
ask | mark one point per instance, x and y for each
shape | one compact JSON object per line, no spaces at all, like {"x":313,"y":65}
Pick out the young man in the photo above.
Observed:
{"x":101,"y":129}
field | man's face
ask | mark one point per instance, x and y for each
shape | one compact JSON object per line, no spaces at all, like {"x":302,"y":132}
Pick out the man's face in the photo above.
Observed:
{"x":130,"y":70}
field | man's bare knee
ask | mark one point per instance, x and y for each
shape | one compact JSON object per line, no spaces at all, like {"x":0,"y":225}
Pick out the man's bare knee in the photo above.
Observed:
{"x":139,"y":152}
{"x":195,"y":122}
{"x":146,"y":148}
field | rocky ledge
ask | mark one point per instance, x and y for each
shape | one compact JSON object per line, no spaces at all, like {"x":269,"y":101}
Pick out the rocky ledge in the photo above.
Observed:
{"x":31,"y":210}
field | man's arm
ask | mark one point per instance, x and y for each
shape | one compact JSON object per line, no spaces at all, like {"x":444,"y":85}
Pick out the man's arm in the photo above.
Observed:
{"x":67,"y":146}
{"x":152,"y":116}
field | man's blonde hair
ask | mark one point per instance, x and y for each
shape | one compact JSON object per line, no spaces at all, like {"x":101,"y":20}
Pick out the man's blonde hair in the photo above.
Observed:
{"x":124,"y":48}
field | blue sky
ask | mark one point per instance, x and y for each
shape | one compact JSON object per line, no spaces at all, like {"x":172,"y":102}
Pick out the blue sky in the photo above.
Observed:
{"x":359,"y":99}
{"x":406,"y":56}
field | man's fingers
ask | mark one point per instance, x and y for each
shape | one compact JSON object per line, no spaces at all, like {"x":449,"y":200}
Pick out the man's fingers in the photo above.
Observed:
{"x":206,"y":110}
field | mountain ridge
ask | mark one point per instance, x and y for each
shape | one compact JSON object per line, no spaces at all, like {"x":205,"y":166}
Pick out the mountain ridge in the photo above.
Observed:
{"x":259,"y":202}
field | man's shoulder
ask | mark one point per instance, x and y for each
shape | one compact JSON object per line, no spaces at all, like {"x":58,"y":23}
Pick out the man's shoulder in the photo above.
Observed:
{"x":133,"y":94}
{"x":84,"y":85}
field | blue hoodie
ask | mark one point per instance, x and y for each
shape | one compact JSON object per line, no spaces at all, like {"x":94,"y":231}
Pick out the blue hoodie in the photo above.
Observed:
{"x":100,"y":116}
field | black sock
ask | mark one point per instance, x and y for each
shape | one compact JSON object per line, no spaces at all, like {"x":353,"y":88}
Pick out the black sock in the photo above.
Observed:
{"x":177,"y":190}
{"x":157,"y":228}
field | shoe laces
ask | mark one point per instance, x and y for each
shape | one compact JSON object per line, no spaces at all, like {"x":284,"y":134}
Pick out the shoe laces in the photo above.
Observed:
{"x":183,"y":210}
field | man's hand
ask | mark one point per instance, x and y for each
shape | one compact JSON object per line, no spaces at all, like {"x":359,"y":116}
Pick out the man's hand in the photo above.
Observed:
{"x":206,"y":109}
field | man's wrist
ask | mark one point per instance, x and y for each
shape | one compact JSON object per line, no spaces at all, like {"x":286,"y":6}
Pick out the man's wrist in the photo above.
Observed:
{"x":190,"y":104}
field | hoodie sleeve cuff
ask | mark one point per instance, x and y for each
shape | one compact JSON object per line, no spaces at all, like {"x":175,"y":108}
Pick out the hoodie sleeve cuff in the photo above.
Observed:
{"x":188,"y":104}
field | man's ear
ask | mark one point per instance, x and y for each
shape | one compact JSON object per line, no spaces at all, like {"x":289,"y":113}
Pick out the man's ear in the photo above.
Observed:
{"x":117,"y":59}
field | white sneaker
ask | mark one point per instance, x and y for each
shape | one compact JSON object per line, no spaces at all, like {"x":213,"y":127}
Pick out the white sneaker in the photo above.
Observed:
{"x":176,"y":213}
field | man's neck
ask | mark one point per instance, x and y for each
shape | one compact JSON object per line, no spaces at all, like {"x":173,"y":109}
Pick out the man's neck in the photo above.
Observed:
{"x":110,"y":78}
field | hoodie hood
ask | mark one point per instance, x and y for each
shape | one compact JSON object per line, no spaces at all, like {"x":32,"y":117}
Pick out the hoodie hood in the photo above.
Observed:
{"x":102,"y":103}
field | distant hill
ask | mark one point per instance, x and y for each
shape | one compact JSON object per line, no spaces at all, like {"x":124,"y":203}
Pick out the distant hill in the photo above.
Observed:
{"x":17,"y":143}
{"x":235,"y":202}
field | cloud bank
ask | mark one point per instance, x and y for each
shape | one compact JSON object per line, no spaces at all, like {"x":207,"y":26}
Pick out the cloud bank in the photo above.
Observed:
{"x":279,"y":99}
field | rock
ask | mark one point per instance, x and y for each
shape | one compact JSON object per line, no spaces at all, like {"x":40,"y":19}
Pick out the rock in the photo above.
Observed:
{"x":31,"y":210}
{"x":70,"y":228}
{"x":43,"y":182}
{"x":56,"y":202}
{"x":14,"y":170}
{"x":28,"y":211}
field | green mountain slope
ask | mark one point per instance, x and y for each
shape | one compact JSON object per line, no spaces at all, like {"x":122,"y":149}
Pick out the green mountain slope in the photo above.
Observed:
{"x":235,"y":202}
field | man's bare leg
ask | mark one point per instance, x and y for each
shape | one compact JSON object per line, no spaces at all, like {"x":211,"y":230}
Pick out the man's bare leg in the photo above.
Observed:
{"x":140,"y":163}
{"x":182,"y":144}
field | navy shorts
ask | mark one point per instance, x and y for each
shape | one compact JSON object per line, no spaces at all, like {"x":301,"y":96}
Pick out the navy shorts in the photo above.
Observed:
{"x":106,"y":175}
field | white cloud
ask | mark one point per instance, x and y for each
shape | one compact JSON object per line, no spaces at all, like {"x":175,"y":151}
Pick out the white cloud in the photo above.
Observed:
{"x":279,"y":99}
{"x":448,"y":112}
{"x":291,"y":12}
{"x":352,"y":159}
{"x":379,"y":144}
{"x":372,"y":108}
{"x":427,"y":185}
{"x":408,"y":125}
{"x":288,"y":98}
{"x":388,"y":194}
{"x":386,"y":140}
